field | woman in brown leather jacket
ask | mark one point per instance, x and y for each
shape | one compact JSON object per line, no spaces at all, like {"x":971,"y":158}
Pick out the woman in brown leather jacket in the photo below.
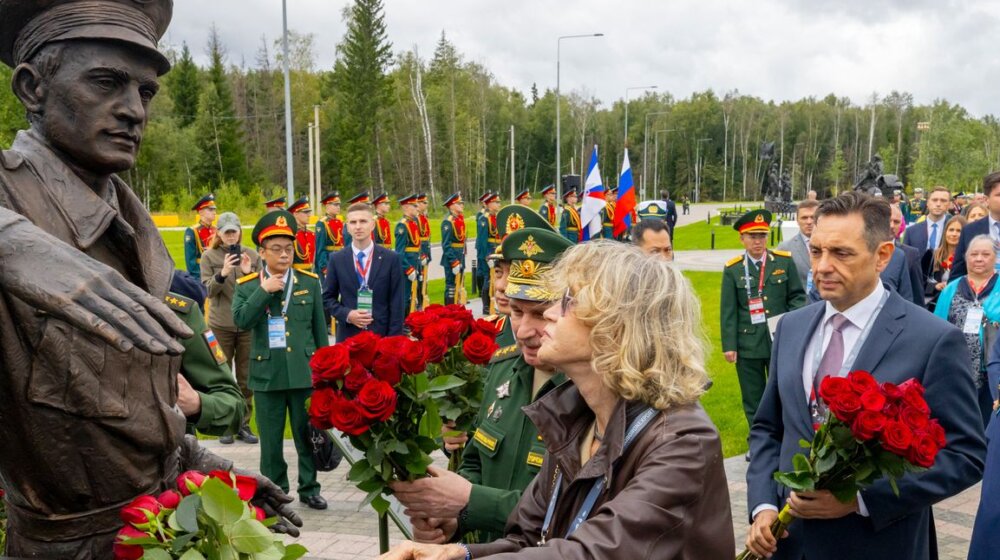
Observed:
{"x":634,"y":465}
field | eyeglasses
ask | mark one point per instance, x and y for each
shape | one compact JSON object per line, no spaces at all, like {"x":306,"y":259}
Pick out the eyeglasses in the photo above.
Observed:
{"x":287,"y":250}
{"x":564,"y":305}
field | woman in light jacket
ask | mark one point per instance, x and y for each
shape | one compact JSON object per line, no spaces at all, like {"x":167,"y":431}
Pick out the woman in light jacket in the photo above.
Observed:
{"x":625,"y":332}
{"x":224,"y":262}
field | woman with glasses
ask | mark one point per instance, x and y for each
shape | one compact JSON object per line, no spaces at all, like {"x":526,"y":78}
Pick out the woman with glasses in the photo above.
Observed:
{"x":633,"y":467}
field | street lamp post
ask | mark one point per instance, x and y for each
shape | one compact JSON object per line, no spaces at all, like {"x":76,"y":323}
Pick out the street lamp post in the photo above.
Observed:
{"x":558,"y":120}
{"x":628,"y":89}
{"x":645,"y":146}
{"x":697,"y":168}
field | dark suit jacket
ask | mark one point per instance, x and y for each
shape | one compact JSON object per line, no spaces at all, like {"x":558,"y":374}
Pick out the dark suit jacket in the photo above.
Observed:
{"x":919,"y":269}
{"x":978,"y":227}
{"x":385,"y":279}
{"x":671,"y":215}
{"x":905,"y":342}
{"x":985,"y":537}
{"x":916,"y":235}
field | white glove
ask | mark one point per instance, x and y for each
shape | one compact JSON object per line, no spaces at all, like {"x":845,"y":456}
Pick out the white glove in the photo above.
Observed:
{"x":456,"y":270}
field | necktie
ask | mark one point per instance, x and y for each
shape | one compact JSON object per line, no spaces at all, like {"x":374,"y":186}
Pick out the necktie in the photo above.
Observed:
{"x":833,"y":357}
{"x":361,"y":266}
{"x":932,"y":243}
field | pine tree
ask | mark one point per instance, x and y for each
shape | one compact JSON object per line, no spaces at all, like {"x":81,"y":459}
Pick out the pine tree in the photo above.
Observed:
{"x":185,"y":88}
{"x":361,"y":92}
{"x":220,"y":138}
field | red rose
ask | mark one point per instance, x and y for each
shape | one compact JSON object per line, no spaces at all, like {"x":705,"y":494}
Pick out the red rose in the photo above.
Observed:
{"x":259,"y":513}
{"x":896,"y":437}
{"x":363,"y":346}
{"x":386,"y":368}
{"x":435,"y":350}
{"x":391,"y":345}
{"x":937,"y":432}
{"x":139,"y":511}
{"x":459,"y":313}
{"x":245,"y":486}
{"x":891,"y":410}
{"x":358,"y":376}
{"x":128,"y":551}
{"x":189,"y":481}
{"x":412,"y":357}
{"x":485,"y":327}
{"x":913,"y":395}
{"x":479,"y":348}
{"x":892,"y":391}
{"x":861,"y":381}
{"x":913,"y":418}
{"x":913,"y":385}
{"x":169,"y":499}
{"x":348,"y":418}
{"x":867,"y":424}
{"x":377,"y":400}
{"x":845,"y":407}
{"x":329,"y":364}
{"x":923,"y":451}
{"x":418,"y":321}
{"x":873,"y":400}
{"x":832,"y":387}
{"x":321,"y":404}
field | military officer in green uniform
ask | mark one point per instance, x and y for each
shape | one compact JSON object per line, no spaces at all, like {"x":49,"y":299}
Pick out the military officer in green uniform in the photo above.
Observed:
{"x":283,"y":308}
{"x":408,"y":248}
{"x":569,"y":220}
{"x":918,"y":205}
{"x":756,"y":286}
{"x":453,"y":250}
{"x":505,"y":453}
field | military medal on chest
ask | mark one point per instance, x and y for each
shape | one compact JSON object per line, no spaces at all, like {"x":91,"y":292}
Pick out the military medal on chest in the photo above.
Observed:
{"x":503,"y":391}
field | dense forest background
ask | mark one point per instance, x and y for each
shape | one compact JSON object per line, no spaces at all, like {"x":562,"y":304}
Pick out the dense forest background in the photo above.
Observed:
{"x":402,"y":121}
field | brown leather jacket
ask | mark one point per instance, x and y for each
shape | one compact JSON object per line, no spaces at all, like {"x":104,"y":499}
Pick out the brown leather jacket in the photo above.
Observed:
{"x":666,"y":498}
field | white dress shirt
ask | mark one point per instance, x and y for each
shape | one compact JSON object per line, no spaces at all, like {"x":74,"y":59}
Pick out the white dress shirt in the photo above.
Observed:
{"x":368,"y":252}
{"x":940,"y":231}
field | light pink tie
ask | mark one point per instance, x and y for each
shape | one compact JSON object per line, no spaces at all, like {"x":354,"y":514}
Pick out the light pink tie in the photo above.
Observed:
{"x":833,"y":357}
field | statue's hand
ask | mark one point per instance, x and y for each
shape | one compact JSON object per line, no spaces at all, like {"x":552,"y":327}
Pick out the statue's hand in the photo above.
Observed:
{"x":274,"y":502}
{"x":58,"y":279}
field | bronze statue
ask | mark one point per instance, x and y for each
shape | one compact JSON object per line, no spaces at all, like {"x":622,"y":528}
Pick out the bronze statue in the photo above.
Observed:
{"x":868,"y":180}
{"x":88,"y":360}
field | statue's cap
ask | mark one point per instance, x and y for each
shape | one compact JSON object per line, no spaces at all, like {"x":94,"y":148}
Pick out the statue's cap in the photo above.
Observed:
{"x":28,"y":25}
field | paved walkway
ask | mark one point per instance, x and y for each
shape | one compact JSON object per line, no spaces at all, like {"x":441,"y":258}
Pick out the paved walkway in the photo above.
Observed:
{"x":345,"y":532}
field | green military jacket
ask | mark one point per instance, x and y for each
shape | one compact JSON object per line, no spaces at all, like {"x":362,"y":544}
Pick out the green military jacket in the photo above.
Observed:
{"x":279,"y":369}
{"x":782,"y":292}
{"x":505,"y":453}
{"x":206,"y":368}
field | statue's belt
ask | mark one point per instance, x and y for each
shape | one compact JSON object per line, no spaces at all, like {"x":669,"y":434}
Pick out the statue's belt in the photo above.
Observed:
{"x":65,"y":527}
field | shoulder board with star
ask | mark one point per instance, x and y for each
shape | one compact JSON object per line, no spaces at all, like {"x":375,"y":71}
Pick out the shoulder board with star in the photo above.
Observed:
{"x":308,"y":273}
{"x":247,"y":278}
{"x":780,"y":253}
{"x":179,"y":303}
{"x":734,"y":260}
{"x":505,"y":353}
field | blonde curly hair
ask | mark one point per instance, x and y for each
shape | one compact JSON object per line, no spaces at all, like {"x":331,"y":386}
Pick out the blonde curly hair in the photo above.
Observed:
{"x":645,"y":321}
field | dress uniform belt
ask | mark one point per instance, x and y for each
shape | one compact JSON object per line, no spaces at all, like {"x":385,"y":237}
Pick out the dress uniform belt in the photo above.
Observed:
{"x":457,"y":245}
{"x":494,"y":240}
{"x":572,"y":229}
{"x":413,"y":249}
{"x":330,"y":247}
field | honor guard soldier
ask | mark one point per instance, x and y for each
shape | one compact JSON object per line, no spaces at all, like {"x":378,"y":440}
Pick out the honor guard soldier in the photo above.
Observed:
{"x":198,"y":237}
{"x":383,"y":229}
{"x":608,"y":214}
{"x":360,"y":197}
{"x":918,"y":205}
{"x":408,"y":249}
{"x":756,"y":286}
{"x":487,"y":239}
{"x":453,"y":250}
{"x":425,"y":248}
{"x":329,"y":232}
{"x":274,"y":204}
{"x":305,"y":239}
{"x":548,"y":207}
{"x":506,"y":451}
{"x":478,"y":272}
{"x":569,"y":221}
{"x":523,"y":197}
{"x":283,"y":308}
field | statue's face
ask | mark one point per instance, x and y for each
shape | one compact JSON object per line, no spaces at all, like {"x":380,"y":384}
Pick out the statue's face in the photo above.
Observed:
{"x":95,"y":106}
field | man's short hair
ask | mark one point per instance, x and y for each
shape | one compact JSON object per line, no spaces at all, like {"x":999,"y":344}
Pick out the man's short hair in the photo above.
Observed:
{"x":875,"y":212}
{"x":654,"y":225}
{"x":664,"y":194}
{"x":990,"y":181}
{"x":806,"y":204}
{"x":940,"y":188}
{"x":361,"y":207}
{"x":46,"y":62}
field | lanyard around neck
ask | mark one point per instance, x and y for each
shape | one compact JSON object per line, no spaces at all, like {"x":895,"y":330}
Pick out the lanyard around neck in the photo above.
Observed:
{"x":288,"y":290}
{"x":849,"y":361}
{"x":363,"y":272}
{"x":746,"y":274}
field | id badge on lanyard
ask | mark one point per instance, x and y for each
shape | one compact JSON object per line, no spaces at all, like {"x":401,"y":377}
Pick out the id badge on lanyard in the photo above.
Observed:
{"x":973,"y":320}
{"x":276,"y":332}
{"x":756,"y":304}
{"x":365,"y":299}
{"x":757,"y":314}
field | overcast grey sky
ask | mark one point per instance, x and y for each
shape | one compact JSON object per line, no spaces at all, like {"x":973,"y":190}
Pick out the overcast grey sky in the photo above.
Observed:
{"x":773,"y":49}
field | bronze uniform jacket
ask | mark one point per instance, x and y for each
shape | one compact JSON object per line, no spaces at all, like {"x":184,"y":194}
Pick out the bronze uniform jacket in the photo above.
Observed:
{"x":667,"y":498}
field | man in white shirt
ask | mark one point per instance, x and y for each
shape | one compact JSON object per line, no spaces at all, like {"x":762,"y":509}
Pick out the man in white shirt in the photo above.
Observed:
{"x":927,"y":235}
{"x":861,"y":326}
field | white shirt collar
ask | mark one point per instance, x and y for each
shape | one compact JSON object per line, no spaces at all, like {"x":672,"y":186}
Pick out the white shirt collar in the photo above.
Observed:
{"x":939,"y":222}
{"x":367,"y":251}
{"x":992,"y":223}
{"x":859,"y":313}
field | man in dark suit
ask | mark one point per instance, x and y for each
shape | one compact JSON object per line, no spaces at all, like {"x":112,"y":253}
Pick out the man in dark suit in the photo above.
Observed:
{"x":988,"y":226}
{"x":915,"y":258}
{"x":927,"y":235}
{"x":364,"y":282}
{"x":862,"y":326}
{"x":671,"y":216}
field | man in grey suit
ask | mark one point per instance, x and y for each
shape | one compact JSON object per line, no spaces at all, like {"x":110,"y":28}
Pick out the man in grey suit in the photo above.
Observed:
{"x":798,"y":245}
{"x":861,"y":326}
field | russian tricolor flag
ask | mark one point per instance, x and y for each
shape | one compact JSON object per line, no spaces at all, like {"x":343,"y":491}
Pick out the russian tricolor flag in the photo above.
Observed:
{"x":625,"y":207}
{"x":593,"y":200}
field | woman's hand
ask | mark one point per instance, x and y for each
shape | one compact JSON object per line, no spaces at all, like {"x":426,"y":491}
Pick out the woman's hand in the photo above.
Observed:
{"x":408,"y":550}
{"x":229,"y":264}
{"x":939,"y":286}
{"x":245,"y":264}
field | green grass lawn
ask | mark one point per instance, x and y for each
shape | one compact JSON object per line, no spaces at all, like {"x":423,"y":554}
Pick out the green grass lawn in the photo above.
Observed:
{"x":698,"y":236}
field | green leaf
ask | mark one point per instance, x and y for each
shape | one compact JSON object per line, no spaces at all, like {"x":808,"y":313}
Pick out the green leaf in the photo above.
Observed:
{"x":430,"y":422}
{"x":227,"y":552}
{"x":396,"y":446}
{"x":805,"y":444}
{"x":294,"y":552}
{"x":826,"y":462}
{"x":221,"y":503}
{"x":155,"y":554}
{"x":380,"y":504}
{"x":250,"y":536}
{"x":892,"y":484}
{"x":370,"y":498}
{"x":192,"y":554}
{"x":796,"y":480}
{"x":370,"y":485}
{"x":417,"y":464}
{"x":445,"y":383}
{"x":187,"y":513}
{"x":361,"y":471}
{"x":800,"y":463}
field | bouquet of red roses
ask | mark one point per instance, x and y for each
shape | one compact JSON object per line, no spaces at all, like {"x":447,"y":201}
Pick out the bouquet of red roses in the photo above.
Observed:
{"x":873,"y":431}
{"x":208,"y":516}
{"x":457,"y":348}
{"x":376,"y":391}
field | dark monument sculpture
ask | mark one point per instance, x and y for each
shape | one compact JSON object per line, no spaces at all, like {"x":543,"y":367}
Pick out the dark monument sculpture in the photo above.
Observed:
{"x":776,"y":189}
{"x":88,"y":360}
{"x":874,"y":182}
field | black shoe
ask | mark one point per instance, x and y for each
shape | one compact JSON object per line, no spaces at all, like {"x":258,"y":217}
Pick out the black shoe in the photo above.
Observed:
{"x":315,"y":502}
{"x":226,"y":439}
{"x":246,"y":436}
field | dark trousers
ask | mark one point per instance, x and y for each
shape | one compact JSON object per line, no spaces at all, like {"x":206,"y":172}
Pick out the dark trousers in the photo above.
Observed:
{"x":485,"y":290}
{"x":272,"y":407}
{"x":752,"y":373}
{"x":449,"y":286}
{"x":236,"y":345}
